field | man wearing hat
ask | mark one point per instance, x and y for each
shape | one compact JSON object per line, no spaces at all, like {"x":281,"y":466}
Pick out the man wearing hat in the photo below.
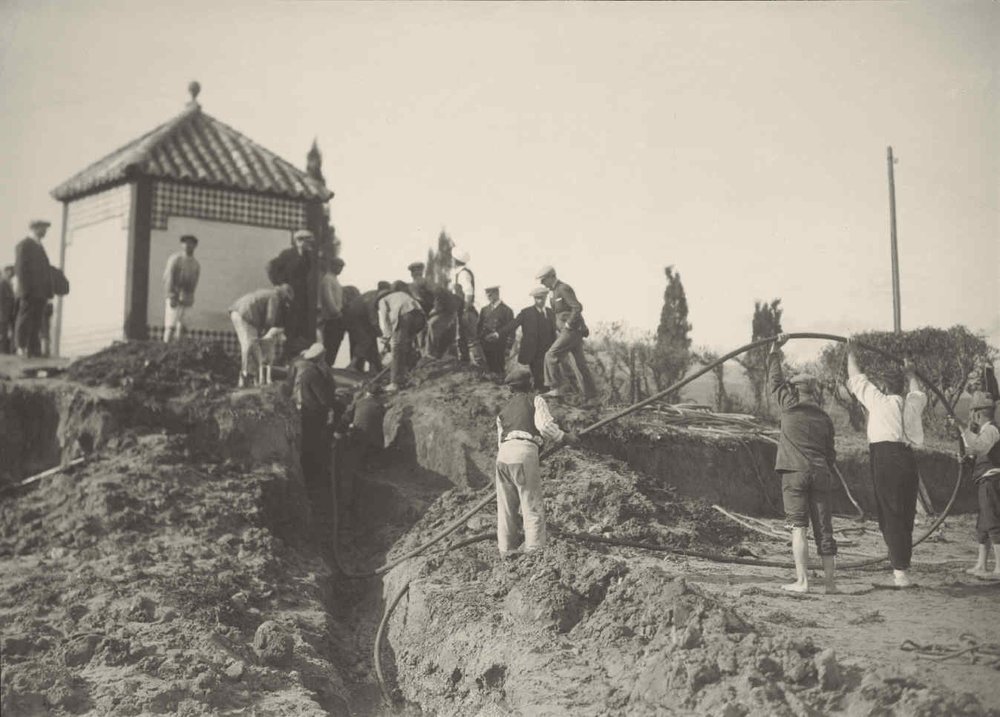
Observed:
{"x":538,"y":330}
{"x":804,"y":462}
{"x":332,"y":324}
{"x":314,"y":391}
{"x":522,"y":425}
{"x":254,"y":314}
{"x":180,"y":279}
{"x":894,"y":425}
{"x":422,"y":292}
{"x":571,"y":330}
{"x":34,"y":288}
{"x":293,"y":266}
{"x":492,"y":318}
{"x":400,"y":319}
{"x":982,"y":442}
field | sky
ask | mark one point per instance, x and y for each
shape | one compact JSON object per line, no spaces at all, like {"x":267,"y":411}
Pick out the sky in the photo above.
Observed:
{"x":742,"y":143}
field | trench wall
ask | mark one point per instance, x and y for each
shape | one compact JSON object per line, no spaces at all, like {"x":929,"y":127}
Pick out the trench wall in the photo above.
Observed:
{"x":738,"y":473}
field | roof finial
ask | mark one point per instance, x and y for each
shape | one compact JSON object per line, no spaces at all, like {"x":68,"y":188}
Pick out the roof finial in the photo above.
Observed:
{"x":194,"y":88}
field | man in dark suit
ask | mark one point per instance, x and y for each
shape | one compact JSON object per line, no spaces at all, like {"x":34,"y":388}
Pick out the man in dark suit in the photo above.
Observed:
{"x":492,"y":318}
{"x":34,"y":288}
{"x":294,"y":266}
{"x":538,"y":331}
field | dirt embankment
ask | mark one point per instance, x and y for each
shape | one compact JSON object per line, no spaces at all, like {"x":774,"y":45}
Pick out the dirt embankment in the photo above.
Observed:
{"x":586,"y":629}
{"x":173,"y":573}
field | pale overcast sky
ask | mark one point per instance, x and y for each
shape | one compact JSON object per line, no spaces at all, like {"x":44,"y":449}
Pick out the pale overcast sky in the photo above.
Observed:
{"x":743,"y":143}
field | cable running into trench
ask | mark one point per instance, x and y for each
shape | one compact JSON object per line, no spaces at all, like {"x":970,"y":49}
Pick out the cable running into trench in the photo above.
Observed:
{"x":490,"y":495}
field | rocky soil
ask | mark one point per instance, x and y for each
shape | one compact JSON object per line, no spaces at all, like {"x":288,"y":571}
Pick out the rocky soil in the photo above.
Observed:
{"x":176,"y":572}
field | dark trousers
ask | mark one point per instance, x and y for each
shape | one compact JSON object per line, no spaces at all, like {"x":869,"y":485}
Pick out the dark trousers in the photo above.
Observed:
{"x":333,"y":335}
{"x":30,"y":315}
{"x":496,"y":356}
{"x":806,"y":497}
{"x":315,"y":461}
{"x":407,"y":327}
{"x":5,"y":343}
{"x":364,"y":348}
{"x":537,"y":367}
{"x":988,"y":521}
{"x":894,"y":474}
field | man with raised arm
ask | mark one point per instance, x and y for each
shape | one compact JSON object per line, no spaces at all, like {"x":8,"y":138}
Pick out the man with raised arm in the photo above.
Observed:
{"x":894,"y":424}
{"x":804,"y":460}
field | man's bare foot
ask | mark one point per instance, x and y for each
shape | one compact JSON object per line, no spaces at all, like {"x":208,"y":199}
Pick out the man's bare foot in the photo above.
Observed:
{"x":796,"y":587}
{"x":977,"y":569}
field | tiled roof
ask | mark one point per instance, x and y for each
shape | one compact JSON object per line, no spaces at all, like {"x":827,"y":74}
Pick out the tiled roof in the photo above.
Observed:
{"x":195,"y":148}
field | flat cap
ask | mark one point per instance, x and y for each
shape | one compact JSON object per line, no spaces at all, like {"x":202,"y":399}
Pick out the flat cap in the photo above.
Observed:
{"x":518,"y":376}
{"x":302,"y":234}
{"x":415,"y":266}
{"x":981,"y":401}
{"x":492,"y":289}
{"x":544,"y":271}
{"x":189,"y":238}
{"x":39,"y":223}
{"x":801,"y":378}
{"x":538,"y":291}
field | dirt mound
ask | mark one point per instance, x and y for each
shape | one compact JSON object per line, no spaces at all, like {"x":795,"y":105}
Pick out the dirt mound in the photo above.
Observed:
{"x":159,"y":370}
{"x":138,"y":585}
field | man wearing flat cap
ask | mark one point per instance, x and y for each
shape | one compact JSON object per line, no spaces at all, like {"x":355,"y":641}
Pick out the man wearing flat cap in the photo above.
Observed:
{"x":34,"y":288}
{"x":522,"y":426}
{"x":180,"y":279}
{"x":538,"y":330}
{"x":332,"y":324}
{"x":293,"y":266}
{"x":493,"y":317}
{"x":894,"y":426}
{"x":982,"y":442}
{"x":804,"y":462}
{"x":571,"y":330}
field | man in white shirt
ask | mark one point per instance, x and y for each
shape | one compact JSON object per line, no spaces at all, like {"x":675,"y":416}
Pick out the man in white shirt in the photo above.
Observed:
{"x":180,"y":280}
{"x":331,"y":309}
{"x":894,"y":425}
{"x":400,"y":319}
{"x":982,"y":441}
{"x":522,"y":425}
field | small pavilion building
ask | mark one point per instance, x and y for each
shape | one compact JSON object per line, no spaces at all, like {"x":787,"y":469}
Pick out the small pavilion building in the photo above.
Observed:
{"x":123,"y":217}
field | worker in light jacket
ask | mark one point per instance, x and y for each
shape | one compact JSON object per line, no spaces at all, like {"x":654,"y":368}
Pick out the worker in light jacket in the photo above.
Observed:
{"x":180,"y":280}
{"x":400,"y":319}
{"x":982,"y":441}
{"x":256,"y":314}
{"x":571,"y":330}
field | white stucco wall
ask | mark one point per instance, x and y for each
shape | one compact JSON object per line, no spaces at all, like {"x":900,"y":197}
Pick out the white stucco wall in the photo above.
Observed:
{"x":93,"y":314}
{"x":233,"y":260}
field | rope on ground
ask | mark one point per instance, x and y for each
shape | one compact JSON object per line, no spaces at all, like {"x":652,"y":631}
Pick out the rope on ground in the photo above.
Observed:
{"x":967,"y":645}
{"x":750,"y":526}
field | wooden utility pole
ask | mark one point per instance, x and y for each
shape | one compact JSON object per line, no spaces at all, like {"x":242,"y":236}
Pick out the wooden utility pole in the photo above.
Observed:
{"x":896,"y":321}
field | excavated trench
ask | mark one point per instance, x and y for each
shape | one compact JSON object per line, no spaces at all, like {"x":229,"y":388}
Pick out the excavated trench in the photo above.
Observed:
{"x":404,"y":493}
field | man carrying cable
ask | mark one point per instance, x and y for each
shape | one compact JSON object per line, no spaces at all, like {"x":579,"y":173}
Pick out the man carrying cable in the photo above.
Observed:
{"x":804,"y":461}
{"x":982,"y":441}
{"x":894,"y":425}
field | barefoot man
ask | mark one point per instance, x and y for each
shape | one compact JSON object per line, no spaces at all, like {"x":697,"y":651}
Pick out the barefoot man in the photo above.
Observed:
{"x":805,"y":454}
{"x":982,"y":441}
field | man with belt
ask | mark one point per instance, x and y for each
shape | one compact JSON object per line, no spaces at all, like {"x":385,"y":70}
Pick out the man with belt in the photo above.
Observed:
{"x":180,"y":280}
{"x":894,"y":424}
{"x":804,"y":461}
{"x":492,"y":318}
{"x":570,"y":333}
{"x":982,"y":441}
{"x":34,"y":288}
{"x":400,"y":318}
{"x":522,"y":425}
{"x":314,"y":391}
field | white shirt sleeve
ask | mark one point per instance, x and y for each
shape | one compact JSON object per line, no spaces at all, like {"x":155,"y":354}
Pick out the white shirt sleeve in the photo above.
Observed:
{"x":913,"y":410}
{"x":979,"y":444}
{"x":499,"y":433}
{"x":544,"y":422}
{"x":383,"y":318}
{"x":865,"y":391}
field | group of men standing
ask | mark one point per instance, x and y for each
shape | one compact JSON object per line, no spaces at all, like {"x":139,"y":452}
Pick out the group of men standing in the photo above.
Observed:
{"x":27,"y":289}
